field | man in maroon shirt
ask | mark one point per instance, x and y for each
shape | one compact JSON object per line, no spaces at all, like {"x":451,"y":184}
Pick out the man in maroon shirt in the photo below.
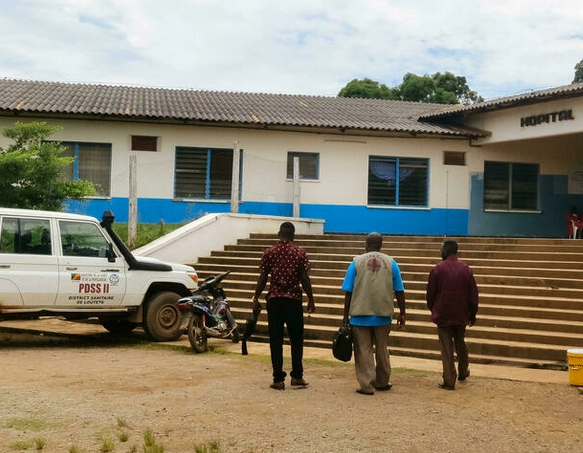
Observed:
{"x":288,"y":266}
{"x":452,"y":297}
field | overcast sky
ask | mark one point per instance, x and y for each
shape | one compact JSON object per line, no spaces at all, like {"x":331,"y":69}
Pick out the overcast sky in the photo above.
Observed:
{"x":315,"y":47}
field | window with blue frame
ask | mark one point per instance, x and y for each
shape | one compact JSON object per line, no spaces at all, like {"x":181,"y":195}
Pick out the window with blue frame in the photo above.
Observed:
{"x":203,"y":173}
{"x":92,"y":163}
{"x":510,"y":186}
{"x":398,"y":181}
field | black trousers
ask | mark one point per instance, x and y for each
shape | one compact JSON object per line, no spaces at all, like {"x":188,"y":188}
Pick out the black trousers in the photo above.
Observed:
{"x":282,"y":312}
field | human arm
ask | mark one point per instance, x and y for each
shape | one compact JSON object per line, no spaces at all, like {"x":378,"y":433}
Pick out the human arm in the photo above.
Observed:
{"x":347,"y":300}
{"x":431,"y":292}
{"x":347,"y":287}
{"x":400,"y":295}
{"x":473,"y":302}
{"x":399,"y":290}
{"x":307,"y":287}
{"x":261,"y":282}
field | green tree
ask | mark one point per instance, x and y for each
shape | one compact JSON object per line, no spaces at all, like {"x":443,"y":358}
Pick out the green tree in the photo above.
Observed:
{"x":367,"y":88}
{"x":457,"y":85}
{"x":416,"y":88}
{"x":578,"y":72}
{"x":32,"y":170}
{"x":446,"y":88}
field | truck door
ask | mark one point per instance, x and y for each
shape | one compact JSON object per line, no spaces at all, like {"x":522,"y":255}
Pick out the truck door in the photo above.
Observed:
{"x":28,"y":263}
{"x":87,"y":278}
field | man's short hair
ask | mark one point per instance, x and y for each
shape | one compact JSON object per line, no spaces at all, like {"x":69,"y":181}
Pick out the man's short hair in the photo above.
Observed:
{"x":287,"y":229}
{"x":450,"y":247}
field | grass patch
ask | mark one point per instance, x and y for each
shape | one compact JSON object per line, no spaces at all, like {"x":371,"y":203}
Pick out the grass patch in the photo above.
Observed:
{"x":36,"y":443}
{"x":209,"y":447}
{"x":28,"y":424}
{"x":150,"y":445}
{"x":146,"y":232}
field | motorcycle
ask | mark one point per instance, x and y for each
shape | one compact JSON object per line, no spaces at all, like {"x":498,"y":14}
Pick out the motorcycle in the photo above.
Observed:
{"x":206,"y":314}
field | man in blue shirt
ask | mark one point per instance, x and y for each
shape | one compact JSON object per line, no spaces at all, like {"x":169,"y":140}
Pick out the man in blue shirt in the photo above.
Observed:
{"x":372,"y":282}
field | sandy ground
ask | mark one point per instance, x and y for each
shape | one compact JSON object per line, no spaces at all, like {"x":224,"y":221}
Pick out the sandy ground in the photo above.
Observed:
{"x":91,"y":393}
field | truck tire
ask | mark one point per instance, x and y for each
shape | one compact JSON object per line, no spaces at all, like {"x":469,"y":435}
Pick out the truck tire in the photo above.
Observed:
{"x":162,"y":318}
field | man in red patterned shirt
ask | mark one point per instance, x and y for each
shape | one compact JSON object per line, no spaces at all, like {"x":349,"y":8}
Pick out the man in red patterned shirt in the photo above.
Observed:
{"x":288,"y":266}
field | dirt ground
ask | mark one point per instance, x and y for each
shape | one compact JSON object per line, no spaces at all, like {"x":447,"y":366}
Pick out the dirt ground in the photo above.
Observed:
{"x":92,"y":393}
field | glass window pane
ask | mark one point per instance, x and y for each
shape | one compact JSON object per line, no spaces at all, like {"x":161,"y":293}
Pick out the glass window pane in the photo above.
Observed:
{"x":221,"y":172}
{"x":524,"y":186}
{"x":9,"y":240}
{"x":496,"y":185}
{"x":397,"y":181}
{"x":412,"y":182}
{"x":190,"y":179}
{"x":309,"y":165}
{"x":203,"y":173}
{"x":82,"y":239}
{"x":69,"y":170}
{"x":95,"y":164}
{"x":382,"y":188}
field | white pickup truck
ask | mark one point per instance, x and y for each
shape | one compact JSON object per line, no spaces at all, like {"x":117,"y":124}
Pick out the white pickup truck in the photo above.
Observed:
{"x":75,"y":267}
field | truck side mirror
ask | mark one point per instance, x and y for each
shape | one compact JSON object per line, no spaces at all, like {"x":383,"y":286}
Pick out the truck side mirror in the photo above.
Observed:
{"x":110,"y":253}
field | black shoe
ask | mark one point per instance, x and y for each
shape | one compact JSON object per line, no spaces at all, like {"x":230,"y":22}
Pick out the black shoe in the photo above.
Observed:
{"x":445,"y":387}
{"x":389,"y":386}
{"x":463,"y":377}
{"x":364,"y":392}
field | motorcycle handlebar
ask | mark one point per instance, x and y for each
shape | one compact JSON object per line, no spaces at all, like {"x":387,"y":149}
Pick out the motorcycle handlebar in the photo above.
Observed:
{"x":213,"y":280}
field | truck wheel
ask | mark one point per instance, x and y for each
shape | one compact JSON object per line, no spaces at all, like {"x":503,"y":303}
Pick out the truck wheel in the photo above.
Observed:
{"x":117,"y":326}
{"x":196,"y":334}
{"x":162,"y":318}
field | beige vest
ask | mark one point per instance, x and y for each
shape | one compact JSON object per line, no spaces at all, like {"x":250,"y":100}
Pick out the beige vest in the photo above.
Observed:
{"x":373,"y":288}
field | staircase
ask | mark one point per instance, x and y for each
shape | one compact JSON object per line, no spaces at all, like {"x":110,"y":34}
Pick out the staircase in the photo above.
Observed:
{"x":531,"y":292}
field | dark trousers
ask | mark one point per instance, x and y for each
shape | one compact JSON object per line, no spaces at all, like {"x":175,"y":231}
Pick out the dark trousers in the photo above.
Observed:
{"x":453,"y":338}
{"x":283,"y":311}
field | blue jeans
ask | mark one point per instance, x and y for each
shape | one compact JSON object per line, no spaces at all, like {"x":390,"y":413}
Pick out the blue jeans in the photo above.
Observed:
{"x":283,"y":311}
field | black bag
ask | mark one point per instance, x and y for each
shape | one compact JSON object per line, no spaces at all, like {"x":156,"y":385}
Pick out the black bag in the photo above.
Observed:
{"x":249,"y":329}
{"x":342,"y":343}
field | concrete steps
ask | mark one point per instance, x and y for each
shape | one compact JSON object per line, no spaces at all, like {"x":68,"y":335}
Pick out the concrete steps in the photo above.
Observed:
{"x":531,"y":292}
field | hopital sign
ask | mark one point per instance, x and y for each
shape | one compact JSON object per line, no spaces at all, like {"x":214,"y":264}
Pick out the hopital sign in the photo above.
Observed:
{"x":551,"y":117}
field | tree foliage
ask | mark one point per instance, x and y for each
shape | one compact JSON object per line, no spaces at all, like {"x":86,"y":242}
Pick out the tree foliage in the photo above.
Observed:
{"x":578,"y":72}
{"x":32,"y":170}
{"x":446,"y":88}
{"x":367,"y":88}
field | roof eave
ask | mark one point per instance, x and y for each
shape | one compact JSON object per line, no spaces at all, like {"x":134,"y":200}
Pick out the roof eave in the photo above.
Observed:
{"x":452,"y":133}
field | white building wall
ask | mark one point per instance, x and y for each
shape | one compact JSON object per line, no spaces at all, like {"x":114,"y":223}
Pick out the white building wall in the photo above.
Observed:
{"x":343,"y":161}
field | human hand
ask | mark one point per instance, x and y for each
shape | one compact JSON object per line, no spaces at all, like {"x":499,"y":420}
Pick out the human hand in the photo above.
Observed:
{"x":311,"y":306}
{"x":256,"y":305}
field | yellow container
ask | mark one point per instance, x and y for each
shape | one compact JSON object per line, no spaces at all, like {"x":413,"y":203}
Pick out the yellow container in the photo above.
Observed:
{"x":575,"y":360}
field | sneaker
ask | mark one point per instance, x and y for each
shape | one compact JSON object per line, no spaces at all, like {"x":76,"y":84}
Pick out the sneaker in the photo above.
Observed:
{"x":445,"y":387}
{"x":278,"y":385}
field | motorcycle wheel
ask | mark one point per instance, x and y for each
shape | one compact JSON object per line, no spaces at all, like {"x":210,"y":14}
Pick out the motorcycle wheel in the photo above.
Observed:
{"x":196,"y":334}
{"x":235,"y":336}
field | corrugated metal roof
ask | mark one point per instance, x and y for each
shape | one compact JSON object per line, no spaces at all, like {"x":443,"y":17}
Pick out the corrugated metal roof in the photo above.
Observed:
{"x":574,"y":89}
{"x":222,"y":107}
